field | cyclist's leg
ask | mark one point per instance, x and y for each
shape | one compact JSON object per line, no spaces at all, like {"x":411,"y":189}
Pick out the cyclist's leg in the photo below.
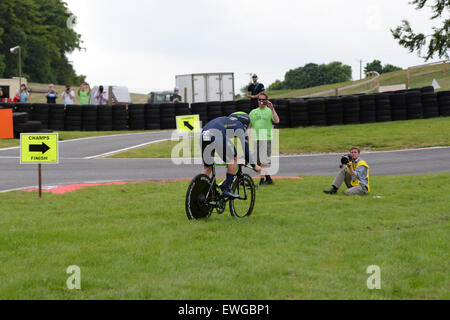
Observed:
{"x":208,"y":159}
{"x":231,"y":159}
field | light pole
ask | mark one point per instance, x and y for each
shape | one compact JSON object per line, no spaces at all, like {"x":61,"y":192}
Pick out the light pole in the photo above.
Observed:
{"x":18,"y":50}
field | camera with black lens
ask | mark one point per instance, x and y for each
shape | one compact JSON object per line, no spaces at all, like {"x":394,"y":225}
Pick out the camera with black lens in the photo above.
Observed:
{"x":345,"y":160}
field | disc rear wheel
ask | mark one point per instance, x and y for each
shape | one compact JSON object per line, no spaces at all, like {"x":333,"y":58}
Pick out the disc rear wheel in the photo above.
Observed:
{"x":197,"y":205}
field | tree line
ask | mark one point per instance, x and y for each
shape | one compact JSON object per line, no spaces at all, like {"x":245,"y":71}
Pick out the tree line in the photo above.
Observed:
{"x":313,"y":75}
{"x":40,"y":28}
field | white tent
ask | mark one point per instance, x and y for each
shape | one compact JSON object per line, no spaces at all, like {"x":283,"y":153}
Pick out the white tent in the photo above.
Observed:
{"x":120,"y":93}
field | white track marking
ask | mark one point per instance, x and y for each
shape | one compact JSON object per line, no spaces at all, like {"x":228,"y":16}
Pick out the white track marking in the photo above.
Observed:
{"x":96,"y":137}
{"x":125,"y":149}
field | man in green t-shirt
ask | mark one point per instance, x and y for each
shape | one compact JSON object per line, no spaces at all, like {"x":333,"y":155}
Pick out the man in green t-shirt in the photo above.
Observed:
{"x":262,"y":121}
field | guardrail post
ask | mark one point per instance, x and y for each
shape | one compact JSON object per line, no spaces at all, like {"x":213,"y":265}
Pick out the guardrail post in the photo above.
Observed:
{"x":408,"y":78}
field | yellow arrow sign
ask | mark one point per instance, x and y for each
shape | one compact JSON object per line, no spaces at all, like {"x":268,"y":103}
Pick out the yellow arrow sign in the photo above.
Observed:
{"x":188,"y":124}
{"x":39,"y":148}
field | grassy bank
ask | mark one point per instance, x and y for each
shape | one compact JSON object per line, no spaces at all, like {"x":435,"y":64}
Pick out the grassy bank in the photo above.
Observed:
{"x":135,"y":242}
{"x":387,"y":79}
{"x":370,"y":137}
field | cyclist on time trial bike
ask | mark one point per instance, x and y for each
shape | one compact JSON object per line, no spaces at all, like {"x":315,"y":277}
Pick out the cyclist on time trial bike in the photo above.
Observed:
{"x":218,"y":136}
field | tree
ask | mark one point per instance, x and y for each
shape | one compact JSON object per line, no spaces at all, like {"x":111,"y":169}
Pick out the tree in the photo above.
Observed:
{"x":312,"y":75}
{"x":277,"y":85}
{"x":390,"y":68}
{"x":336,"y":72}
{"x":438,"y":42}
{"x":40,"y":28}
{"x":376,"y":65}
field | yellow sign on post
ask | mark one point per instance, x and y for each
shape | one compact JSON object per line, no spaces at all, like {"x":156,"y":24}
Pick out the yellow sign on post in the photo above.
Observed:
{"x":38,"y":148}
{"x":188,"y":124}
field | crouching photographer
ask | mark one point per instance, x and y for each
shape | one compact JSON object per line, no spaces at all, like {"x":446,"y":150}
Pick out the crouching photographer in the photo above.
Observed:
{"x":355,"y":172}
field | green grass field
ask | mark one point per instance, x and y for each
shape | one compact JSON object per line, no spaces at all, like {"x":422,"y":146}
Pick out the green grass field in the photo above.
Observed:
{"x":135,"y":242}
{"x":370,"y":137}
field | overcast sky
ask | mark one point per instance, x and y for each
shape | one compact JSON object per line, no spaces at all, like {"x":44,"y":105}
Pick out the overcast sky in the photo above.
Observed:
{"x":144,"y":44}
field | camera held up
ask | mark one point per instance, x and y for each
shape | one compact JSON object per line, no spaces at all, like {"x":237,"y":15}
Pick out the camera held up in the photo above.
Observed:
{"x":345,"y":160}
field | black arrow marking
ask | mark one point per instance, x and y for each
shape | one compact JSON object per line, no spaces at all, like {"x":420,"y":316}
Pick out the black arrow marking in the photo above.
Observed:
{"x":188,"y":125}
{"x":39,"y":148}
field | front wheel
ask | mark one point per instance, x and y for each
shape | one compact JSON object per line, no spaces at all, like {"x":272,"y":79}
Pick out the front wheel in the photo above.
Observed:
{"x":244,"y":205}
{"x":197,"y":205}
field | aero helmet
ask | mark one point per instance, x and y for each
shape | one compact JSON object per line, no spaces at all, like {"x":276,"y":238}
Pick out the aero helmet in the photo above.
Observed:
{"x":242,"y":117}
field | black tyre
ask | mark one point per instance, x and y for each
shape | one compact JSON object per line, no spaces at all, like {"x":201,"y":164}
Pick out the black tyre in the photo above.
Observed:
{"x":197,"y":206}
{"x":245,"y":188}
{"x":283,"y":110}
{"x":20,"y":117}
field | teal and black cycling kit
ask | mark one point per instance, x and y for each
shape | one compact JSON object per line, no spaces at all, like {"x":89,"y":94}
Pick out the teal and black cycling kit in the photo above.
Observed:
{"x":217,"y":129}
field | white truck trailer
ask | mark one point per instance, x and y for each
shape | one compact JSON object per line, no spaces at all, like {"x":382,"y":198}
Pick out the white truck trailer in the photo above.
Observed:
{"x":206,"y":87}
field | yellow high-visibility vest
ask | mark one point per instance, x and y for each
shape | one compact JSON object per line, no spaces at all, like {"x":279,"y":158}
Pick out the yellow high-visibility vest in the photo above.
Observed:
{"x":355,"y":166}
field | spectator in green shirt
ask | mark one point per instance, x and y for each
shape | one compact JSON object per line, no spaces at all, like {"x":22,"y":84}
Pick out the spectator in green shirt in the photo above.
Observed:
{"x":262,"y":121}
{"x":84,"y":94}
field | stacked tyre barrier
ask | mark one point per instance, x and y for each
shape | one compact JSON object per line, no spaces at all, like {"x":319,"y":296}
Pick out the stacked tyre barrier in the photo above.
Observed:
{"x":427,"y":89}
{"x":244,"y":106}
{"x":430,"y":105}
{"x":368,"y":108}
{"x":56,"y":118}
{"x":73,"y":118}
{"x":298,"y":113}
{"x":334,"y":111}
{"x":214,"y":110}
{"x":167,"y":112}
{"x":41,"y":113}
{"x":414,"y":108}
{"x":201,"y":109}
{"x":351,"y":109}
{"x":383,"y":107}
{"x":398,"y":106}
{"x":283,"y":111}
{"x":104,"y":118}
{"x":182,"y":109}
{"x":317,"y":112}
{"x":136,"y":114}
{"x":152,"y":117}
{"x":24,"y":107}
{"x":120,"y":117}
{"x":444,"y":103}
{"x":22,"y":124}
{"x":89,"y":118}
{"x":228,"y":108}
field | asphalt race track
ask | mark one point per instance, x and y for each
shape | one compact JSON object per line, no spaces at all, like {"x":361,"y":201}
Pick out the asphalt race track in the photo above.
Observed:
{"x":81,"y":161}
